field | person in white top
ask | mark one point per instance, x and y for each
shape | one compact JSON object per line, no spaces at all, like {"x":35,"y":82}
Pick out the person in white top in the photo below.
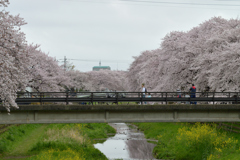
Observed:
{"x":144,"y":91}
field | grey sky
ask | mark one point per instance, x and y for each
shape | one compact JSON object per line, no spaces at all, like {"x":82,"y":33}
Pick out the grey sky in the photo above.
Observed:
{"x":111,"y":30}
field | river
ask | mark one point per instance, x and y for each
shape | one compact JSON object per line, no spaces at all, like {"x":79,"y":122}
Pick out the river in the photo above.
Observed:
{"x":127,"y":144}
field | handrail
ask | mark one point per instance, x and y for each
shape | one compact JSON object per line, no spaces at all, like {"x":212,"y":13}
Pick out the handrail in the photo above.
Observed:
{"x":91,"y":97}
{"x":123,"y":92}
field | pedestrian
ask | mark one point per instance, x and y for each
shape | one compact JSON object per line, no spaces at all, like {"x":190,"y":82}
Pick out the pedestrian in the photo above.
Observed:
{"x":144,"y":90}
{"x":179,"y":95}
{"x":193,"y":93}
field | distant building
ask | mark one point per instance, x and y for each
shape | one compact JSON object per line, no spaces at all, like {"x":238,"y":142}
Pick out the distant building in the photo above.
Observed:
{"x":97,"y":68}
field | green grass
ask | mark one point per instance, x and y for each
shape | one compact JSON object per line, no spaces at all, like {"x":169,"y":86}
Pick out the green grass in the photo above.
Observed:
{"x":28,"y":141}
{"x":14,"y":138}
{"x":41,"y":141}
{"x":98,"y":130}
{"x":4,"y":127}
{"x":85,"y":145}
{"x":169,"y":146}
{"x":152,"y":130}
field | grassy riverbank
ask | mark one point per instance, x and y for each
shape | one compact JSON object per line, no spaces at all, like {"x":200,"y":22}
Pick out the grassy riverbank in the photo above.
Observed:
{"x":188,"y":141}
{"x":53,"y":141}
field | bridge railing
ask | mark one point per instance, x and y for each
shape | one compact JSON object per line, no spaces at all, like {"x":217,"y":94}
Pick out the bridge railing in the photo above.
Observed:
{"x":128,"y":97}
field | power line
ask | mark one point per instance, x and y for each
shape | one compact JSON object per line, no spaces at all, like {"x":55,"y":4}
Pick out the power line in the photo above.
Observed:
{"x":92,"y":60}
{"x":181,"y":3}
{"x":110,"y":61}
{"x":165,"y":4}
{"x":160,"y":2}
{"x":66,"y":60}
{"x":84,"y":1}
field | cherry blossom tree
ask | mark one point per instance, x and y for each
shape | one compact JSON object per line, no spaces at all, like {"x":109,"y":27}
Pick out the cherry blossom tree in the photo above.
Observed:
{"x":23,"y":65}
{"x":207,"y":55}
{"x":141,"y":69}
{"x":45,"y":73}
{"x":13,"y":57}
{"x":79,"y":80}
{"x":99,"y":80}
{"x":106,"y":79}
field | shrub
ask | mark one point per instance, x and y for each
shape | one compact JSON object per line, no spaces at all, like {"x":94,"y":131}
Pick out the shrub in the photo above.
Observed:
{"x":201,"y":141}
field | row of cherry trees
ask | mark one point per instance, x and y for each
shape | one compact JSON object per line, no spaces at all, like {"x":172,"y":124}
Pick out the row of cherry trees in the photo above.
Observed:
{"x":208,"y":56}
{"x":98,"y":80}
{"x":25,"y":65}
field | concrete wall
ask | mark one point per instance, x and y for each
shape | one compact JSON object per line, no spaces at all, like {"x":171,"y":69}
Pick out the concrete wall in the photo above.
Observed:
{"x":120,"y":113}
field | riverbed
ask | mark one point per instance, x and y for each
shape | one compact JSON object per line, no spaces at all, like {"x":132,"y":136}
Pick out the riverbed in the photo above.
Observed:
{"x":128,"y":143}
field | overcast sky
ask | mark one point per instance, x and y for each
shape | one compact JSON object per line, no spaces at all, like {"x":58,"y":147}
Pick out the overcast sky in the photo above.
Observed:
{"x":112,"y":31}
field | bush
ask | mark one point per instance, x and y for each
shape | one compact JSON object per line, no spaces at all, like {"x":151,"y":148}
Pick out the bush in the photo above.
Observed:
{"x":197,"y":142}
{"x":71,"y":138}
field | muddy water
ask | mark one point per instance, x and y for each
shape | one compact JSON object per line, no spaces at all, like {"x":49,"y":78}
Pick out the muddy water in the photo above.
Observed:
{"x":126,"y":144}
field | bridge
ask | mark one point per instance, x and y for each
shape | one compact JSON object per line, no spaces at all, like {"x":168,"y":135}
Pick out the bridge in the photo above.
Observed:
{"x":120,"y":113}
{"x":169,"y":108}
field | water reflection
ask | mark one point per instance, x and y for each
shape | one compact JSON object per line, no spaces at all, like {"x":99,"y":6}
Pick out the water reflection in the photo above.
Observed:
{"x":126,"y":144}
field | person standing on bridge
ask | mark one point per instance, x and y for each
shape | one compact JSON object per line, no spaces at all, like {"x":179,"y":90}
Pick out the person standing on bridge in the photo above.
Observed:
{"x":144,"y":90}
{"x":179,"y":95}
{"x":193,"y":93}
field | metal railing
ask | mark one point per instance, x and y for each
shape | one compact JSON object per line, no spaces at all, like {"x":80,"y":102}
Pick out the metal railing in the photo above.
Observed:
{"x":138,"y":97}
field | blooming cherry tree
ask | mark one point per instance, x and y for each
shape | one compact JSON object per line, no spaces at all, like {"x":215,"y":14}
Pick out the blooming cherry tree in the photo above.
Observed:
{"x":45,"y":73}
{"x":99,"y":80}
{"x":207,"y":55}
{"x":13,"y":57}
{"x":23,"y":65}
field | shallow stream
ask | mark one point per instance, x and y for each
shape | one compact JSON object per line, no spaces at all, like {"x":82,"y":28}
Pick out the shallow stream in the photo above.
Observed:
{"x":128,"y":144}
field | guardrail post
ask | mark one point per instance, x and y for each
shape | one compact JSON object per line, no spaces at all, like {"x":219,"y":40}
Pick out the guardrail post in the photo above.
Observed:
{"x":237,"y":99}
{"x":190,"y":98}
{"x":213,"y":97}
{"x":117,"y":98}
{"x":41,"y":98}
{"x":141,"y":98}
{"x":166,"y":98}
{"x":229,"y":94}
{"x":162,"y":97}
{"x":66,"y":98}
{"x":92,"y":98}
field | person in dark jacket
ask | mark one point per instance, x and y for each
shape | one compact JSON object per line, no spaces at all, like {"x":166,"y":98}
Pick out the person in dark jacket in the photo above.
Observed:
{"x":193,"y":93}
